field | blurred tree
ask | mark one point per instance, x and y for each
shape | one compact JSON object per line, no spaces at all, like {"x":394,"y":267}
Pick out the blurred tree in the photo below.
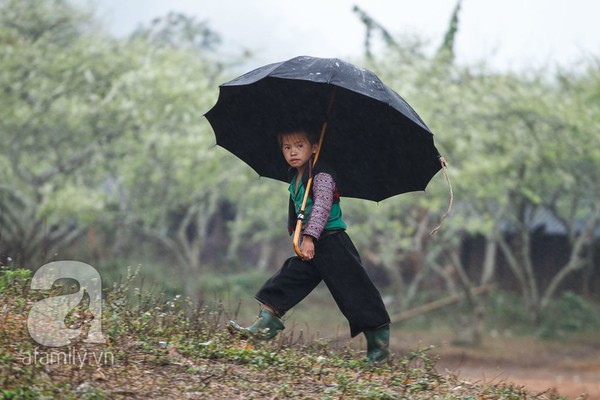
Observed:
{"x":447,"y":46}
{"x":57,"y":114}
{"x":372,"y":25}
{"x":259,"y":227}
{"x":167,"y":179}
{"x":533,"y":142}
{"x":180,"y":31}
{"x":516,"y":144}
{"x":80,"y":111}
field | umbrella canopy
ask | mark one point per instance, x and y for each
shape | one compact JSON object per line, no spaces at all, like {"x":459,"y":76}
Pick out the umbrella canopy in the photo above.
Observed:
{"x":376,"y":143}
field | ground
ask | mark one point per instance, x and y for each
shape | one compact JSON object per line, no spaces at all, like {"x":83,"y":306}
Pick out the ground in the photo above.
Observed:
{"x":569,"y":366}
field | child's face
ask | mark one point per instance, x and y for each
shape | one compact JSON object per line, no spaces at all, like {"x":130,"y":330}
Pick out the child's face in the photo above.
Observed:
{"x":297,"y":149}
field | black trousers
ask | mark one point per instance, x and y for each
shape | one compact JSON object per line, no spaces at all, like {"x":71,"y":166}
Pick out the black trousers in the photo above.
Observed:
{"x":338,"y":264}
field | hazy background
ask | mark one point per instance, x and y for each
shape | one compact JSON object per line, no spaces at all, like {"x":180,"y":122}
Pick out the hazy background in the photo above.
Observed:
{"x":510,"y":34}
{"x":106,"y":158}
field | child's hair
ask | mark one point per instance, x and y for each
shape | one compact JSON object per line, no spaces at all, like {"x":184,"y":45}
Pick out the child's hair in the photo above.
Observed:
{"x":312,"y":138}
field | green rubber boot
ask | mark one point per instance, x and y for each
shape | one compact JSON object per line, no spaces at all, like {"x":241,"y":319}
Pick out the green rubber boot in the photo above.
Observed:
{"x":378,"y":343}
{"x":265,"y":327}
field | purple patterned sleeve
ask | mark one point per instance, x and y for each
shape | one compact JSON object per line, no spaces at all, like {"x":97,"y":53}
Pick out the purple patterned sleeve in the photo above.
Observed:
{"x":323,"y":188}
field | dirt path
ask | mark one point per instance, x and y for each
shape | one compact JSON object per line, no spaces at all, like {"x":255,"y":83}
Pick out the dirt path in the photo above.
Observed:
{"x":565,"y":381}
{"x":570,"y":368}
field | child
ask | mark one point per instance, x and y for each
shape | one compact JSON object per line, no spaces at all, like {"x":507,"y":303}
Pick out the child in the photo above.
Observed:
{"x":328,"y":255}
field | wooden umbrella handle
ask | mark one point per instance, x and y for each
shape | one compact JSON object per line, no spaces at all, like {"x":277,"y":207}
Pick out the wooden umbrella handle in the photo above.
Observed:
{"x":300,"y":219}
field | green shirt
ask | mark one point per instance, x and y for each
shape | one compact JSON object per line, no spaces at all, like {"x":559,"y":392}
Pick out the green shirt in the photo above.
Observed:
{"x":334,"y":220}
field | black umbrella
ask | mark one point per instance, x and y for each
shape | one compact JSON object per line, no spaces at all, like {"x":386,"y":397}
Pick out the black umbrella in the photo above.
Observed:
{"x":376,"y":143}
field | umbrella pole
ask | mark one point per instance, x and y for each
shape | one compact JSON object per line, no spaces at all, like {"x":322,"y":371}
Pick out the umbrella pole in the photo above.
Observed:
{"x":301,"y":215}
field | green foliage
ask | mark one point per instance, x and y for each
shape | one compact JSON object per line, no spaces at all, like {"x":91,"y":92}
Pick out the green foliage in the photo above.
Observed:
{"x":506,"y":311}
{"x":22,"y":393}
{"x":447,"y":46}
{"x":35,"y":20}
{"x":91,"y":126}
{"x":564,"y":316}
{"x":13,"y":281}
{"x":568,"y":314}
{"x":236,"y":286}
{"x":181,"y":31}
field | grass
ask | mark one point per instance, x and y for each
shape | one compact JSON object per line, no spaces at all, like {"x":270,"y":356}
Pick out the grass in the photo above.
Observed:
{"x":167,"y":348}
